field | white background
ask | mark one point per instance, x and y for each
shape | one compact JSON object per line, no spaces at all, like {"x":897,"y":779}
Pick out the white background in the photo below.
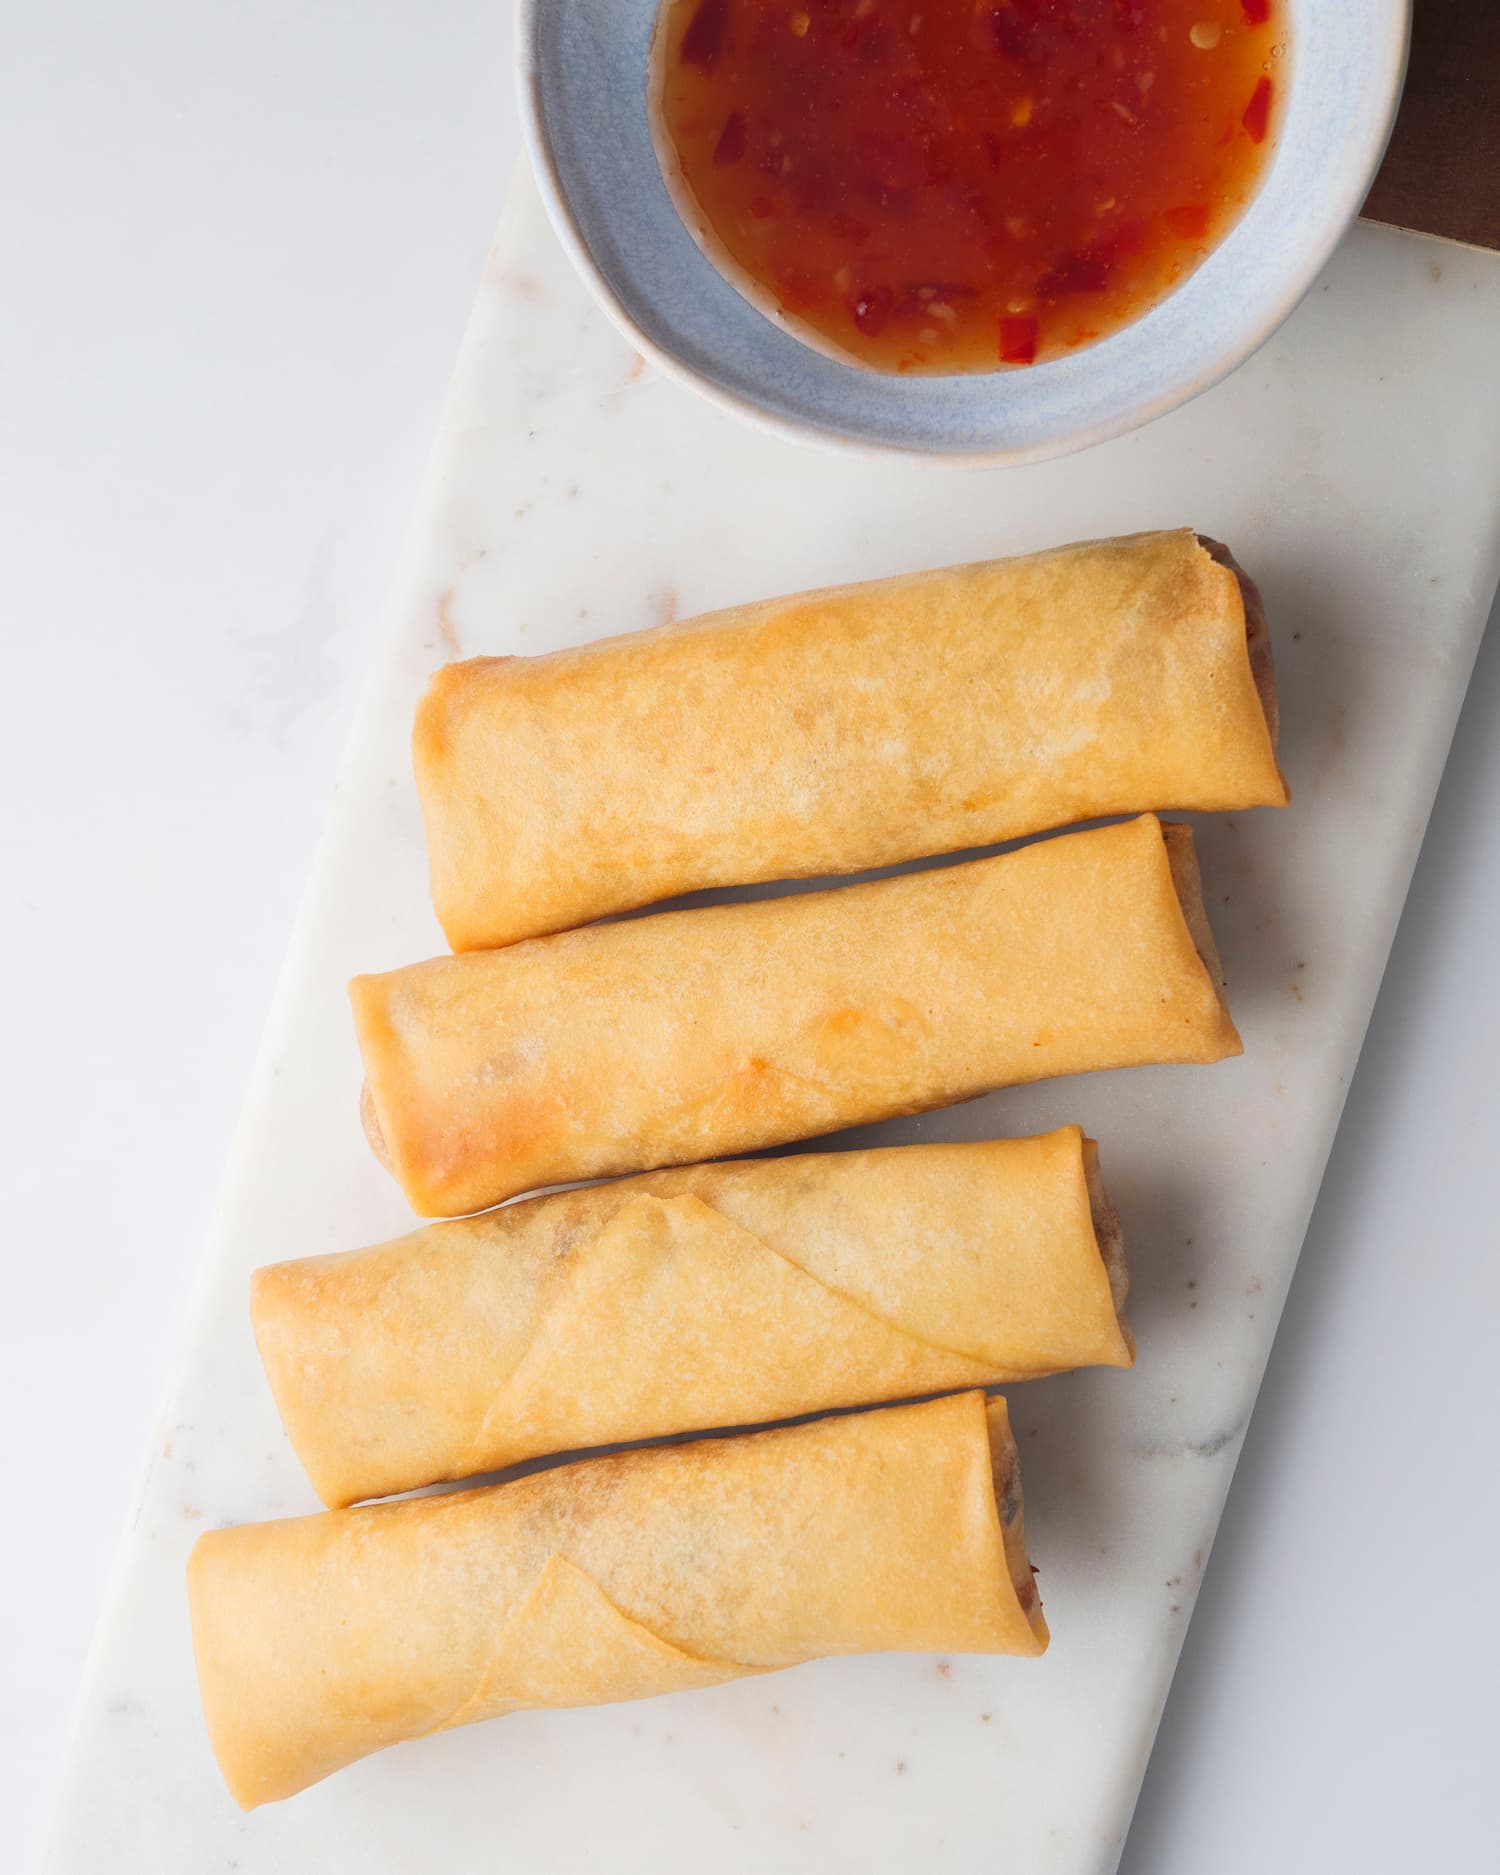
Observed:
{"x":237,"y":247}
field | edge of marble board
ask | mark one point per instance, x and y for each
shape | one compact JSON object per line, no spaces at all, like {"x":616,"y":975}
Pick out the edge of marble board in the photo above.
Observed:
{"x":1428,"y":234}
{"x":385,"y":642}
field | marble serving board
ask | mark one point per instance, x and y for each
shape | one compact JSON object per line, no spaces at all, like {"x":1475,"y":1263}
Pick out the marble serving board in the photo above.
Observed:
{"x":1354,"y":465}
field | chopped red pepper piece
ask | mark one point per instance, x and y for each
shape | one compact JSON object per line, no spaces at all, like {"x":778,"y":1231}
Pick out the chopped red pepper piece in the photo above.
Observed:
{"x":1256,"y":12}
{"x":1017,"y":338}
{"x":871,"y":310}
{"x":997,"y":29}
{"x":731,"y":145}
{"x":1258,"y":111}
{"x":1086,"y":271}
{"x":704,"y":39}
{"x":1190,"y":221}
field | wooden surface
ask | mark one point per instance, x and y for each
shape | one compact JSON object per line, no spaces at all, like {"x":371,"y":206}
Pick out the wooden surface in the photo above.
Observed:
{"x":1442,"y":171}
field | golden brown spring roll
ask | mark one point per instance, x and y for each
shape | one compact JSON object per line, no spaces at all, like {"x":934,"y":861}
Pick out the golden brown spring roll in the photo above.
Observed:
{"x":698,"y":1034}
{"x":718,"y":1295}
{"x":321,"y":1639}
{"x":842,"y":730}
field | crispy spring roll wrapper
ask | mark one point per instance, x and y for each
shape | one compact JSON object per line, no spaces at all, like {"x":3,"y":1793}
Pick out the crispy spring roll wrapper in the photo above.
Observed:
{"x":321,"y":1639}
{"x":843,"y":730}
{"x":699,"y":1034}
{"x":718,"y":1295}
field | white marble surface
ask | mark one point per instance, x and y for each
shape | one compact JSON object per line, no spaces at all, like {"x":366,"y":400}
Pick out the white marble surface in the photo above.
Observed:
{"x":171,"y":519}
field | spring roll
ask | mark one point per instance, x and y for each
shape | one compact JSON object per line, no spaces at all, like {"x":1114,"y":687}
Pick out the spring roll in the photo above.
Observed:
{"x":718,"y":1295}
{"x":843,"y":730}
{"x":699,"y":1034}
{"x":321,"y":1639}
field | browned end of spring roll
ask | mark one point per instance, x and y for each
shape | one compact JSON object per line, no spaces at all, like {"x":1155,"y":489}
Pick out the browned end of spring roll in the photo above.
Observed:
{"x":1257,"y":642}
{"x":699,"y":1034}
{"x":321,"y":1639}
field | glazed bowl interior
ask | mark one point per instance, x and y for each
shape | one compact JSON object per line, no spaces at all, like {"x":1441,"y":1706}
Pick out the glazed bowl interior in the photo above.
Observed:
{"x":584,"y":67}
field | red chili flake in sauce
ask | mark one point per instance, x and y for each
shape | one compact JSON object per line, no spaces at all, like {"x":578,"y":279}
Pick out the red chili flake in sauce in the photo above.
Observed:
{"x":1190,"y":222}
{"x":1017,"y":338}
{"x":731,"y":145}
{"x":1087,"y":271}
{"x":1258,"y":111}
{"x":1002,"y":29}
{"x":703,"y":40}
{"x":912,"y":177}
{"x":872,"y":310}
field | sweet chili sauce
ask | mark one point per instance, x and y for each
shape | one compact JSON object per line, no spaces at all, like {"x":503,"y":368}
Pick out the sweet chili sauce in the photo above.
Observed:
{"x":940,"y":185}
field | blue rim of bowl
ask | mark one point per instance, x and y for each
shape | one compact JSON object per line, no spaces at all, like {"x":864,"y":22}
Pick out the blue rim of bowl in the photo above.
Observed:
{"x":555,"y":200}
